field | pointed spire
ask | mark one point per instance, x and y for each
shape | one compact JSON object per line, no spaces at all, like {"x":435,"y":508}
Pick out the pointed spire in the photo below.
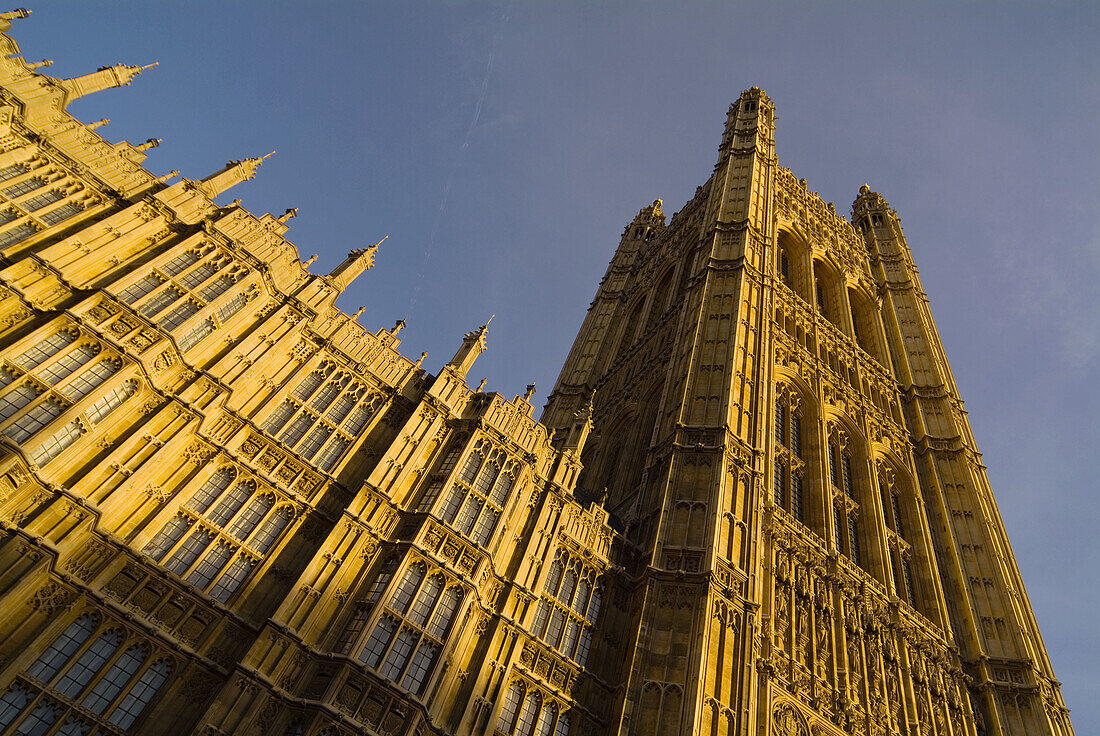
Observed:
{"x":358,"y":312}
{"x":150,"y":143}
{"x":40,"y":64}
{"x":8,"y":17}
{"x":397,"y":327}
{"x":530,"y":392}
{"x":119,"y":75}
{"x":310,"y":261}
{"x":481,"y":386}
{"x":420,"y":360}
{"x":473,"y":345}
{"x":358,"y":261}
{"x":290,"y":213}
{"x":234,"y":173}
{"x":99,"y":123}
{"x":170,"y":175}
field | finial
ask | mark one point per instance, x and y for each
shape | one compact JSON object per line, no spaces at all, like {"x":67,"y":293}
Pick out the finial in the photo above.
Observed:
{"x":292,"y":212}
{"x":99,"y":123}
{"x":170,"y":175}
{"x":420,"y":360}
{"x":481,"y":386}
{"x":397,"y":327}
{"x":235,"y":203}
{"x":40,"y":64}
{"x":119,"y":75}
{"x":358,"y":261}
{"x":473,"y":345}
{"x":8,"y":17}
{"x":311,"y":261}
{"x":358,"y":312}
{"x":865,"y":189}
{"x":530,"y":392}
{"x":602,"y":499}
{"x":234,"y":173}
{"x":150,"y":143}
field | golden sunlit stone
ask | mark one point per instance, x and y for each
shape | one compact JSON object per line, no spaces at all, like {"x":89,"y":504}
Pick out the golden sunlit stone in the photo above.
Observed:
{"x":753,"y":504}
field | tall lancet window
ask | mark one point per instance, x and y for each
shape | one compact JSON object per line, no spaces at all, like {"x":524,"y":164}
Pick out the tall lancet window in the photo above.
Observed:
{"x":94,"y":671}
{"x":410,"y":631}
{"x":324,"y":414}
{"x":56,"y":389}
{"x":789,"y":468}
{"x":846,"y":506}
{"x":216,"y":539}
{"x":479,"y":494}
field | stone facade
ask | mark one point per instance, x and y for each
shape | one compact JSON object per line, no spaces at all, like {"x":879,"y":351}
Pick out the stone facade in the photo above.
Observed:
{"x":753,"y":504}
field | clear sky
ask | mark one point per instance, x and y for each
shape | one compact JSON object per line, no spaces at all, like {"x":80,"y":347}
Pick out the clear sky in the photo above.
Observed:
{"x":504,"y":146}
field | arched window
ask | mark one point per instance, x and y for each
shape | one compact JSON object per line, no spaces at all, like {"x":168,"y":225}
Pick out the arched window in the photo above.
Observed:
{"x":181,"y":263}
{"x":74,"y":372}
{"x":566,"y":614}
{"x":407,"y":639}
{"x":272,"y":527}
{"x":546,"y":720}
{"x":323,"y":415}
{"x":385,"y":574}
{"x":553,"y":578}
{"x":235,"y":575}
{"x":118,"y":676}
{"x":525,"y":723}
{"x":44,"y":349}
{"x":444,"y":613}
{"x":13,"y":701}
{"x":246,"y":522}
{"x":196,"y":334}
{"x":61,"y":650}
{"x":475,"y":502}
{"x":141,"y":694}
{"x":228,"y":542}
{"x":168,"y":536}
{"x":660,"y":302}
{"x":509,"y":709}
{"x":77,"y":677}
{"x":160,"y":301}
{"x":110,"y":401}
{"x":425,"y":599}
{"x":403,"y":596}
{"x":379,"y":640}
{"x":68,"y":364}
{"x":788,"y":467}
{"x":88,"y":379}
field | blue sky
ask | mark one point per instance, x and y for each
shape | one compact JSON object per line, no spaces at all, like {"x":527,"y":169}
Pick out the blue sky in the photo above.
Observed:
{"x":503,"y":147}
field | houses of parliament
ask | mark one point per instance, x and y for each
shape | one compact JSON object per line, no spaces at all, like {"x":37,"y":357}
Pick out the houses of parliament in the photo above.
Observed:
{"x":752,"y":505}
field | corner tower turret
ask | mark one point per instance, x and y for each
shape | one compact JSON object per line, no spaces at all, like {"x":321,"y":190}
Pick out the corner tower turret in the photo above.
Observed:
{"x":991,"y":619}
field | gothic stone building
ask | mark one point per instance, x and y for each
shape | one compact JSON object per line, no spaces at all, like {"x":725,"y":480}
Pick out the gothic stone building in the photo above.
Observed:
{"x":753,"y":504}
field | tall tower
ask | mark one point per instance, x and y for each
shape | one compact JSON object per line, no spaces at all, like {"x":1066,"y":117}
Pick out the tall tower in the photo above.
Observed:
{"x":812,"y":545}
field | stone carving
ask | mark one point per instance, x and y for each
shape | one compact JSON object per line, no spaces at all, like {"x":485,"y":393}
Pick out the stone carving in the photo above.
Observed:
{"x":52,"y":598}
